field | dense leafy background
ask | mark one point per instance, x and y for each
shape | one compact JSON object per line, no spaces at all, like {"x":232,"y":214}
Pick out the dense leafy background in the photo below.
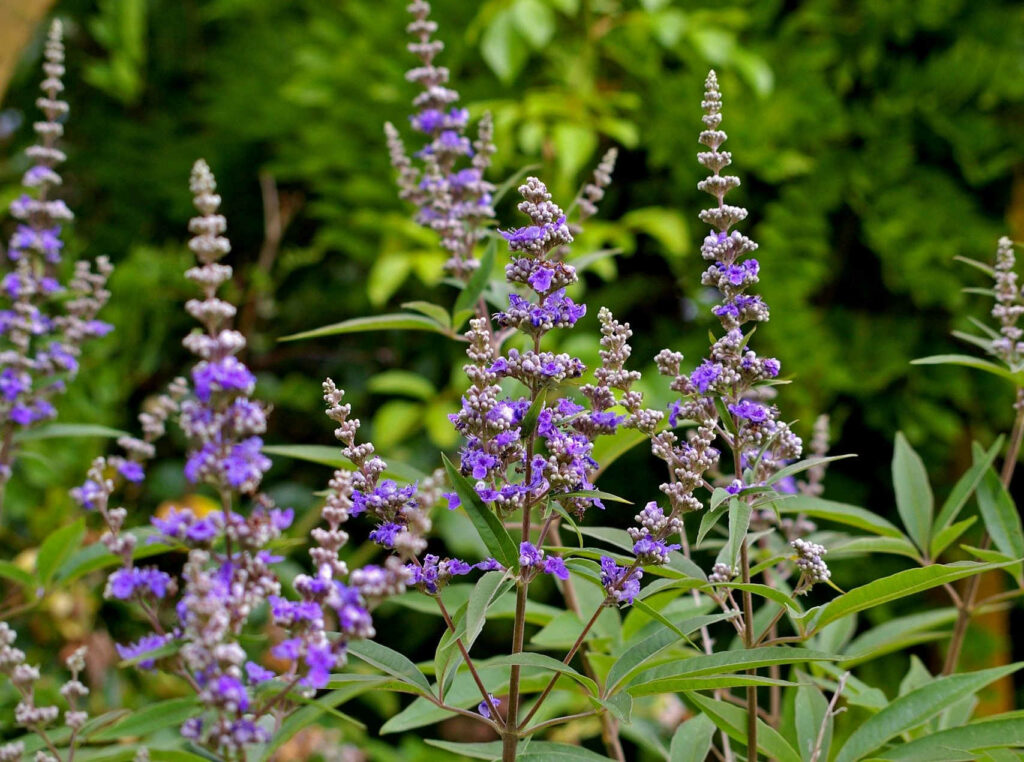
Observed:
{"x":876,"y":141}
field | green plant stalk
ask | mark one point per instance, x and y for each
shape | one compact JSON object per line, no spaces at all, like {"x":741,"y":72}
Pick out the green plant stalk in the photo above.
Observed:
{"x":510,"y":738}
{"x":609,"y":725}
{"x":966,"y":608}
{"x":748,"y":641}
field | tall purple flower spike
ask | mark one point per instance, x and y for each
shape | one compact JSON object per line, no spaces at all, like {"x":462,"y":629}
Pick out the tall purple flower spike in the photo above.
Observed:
{"x":45,"y":322}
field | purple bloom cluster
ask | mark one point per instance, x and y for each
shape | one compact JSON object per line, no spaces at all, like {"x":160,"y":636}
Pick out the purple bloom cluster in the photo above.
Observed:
{"x":452,"y":199}
{"x":532,"y":557}
{"x":731,"y":374}
{"x":621,"y":583}
{"x":43,"y":338}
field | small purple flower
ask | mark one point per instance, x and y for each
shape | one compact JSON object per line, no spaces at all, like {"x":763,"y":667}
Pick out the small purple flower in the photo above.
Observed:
{"x":617,"y":581}
{"x":529,"y":555}
{"x":384,"y":535}
{"x":752,"y":411}
{"x":258,"y":674}
{"x":705,"y":375}
{"x":555,"y":566}
{"x":541,"y":279}
{"x":131,"y":471}
{"x":144,"y":645}
{"x":227,"y":374}
{"x":485,"y":710}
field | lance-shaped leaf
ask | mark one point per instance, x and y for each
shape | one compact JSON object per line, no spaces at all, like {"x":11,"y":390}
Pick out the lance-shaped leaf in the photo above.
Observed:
{"x":399,"y":321}
{"x":492,"y":532}
{"x":962,"y":744}
{"x":391,"y":662}
{"x":1017,"y":378}
{"x":914,"y":499}
{"x":899,"y":585}
{"x":725,"y":662}
{"x":467,"y":299}
{"x":1000,"y":515}
{"x":732,"y":720}
{"x":916,"y":707}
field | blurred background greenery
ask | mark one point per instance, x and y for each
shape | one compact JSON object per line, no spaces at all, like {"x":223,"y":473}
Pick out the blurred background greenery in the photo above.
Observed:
{"x":876,"y":140}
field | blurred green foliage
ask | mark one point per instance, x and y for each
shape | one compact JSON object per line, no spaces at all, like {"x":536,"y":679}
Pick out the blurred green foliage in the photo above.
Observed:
{"x":876,"y":140}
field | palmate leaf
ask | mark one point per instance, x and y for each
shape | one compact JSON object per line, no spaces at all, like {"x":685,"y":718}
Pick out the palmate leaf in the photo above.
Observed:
{"x":916,"y":707}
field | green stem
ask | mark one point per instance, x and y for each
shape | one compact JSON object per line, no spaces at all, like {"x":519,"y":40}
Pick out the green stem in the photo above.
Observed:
{"x":966,"y":607}
{"x":748,"y":638}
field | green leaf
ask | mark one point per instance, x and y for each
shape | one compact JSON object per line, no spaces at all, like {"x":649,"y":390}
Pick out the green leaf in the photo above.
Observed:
{"x":637,"y":654}
{"x":541,"y":661}
{"x":57,"y":548}
{"x":489,"y":750}
{"x":739,"y":522}
{"x":973,"y":362}
{"x":914,"y":499}
{"x":840,"y":513}
{"x":948,"y":535}
{"x":331,"y":456}
{"x":493,"y":533}
{"x":895,"y":586}
{"x":399,"y":321}
{"x":1000,"y":516}
{"x":149,"y":718}
{"x":16,"y":574}
{"x":547,"y":751}
{"x":535,"y":21}
{"x":469,"y":296}
{"x":895,"y":634}
{"x":916,"y":707}
{"x":653,"y":613}
{"x":803,"y":465}
{"x":391,"y":662}
{"x":733,"y":721}
{"x":963,"y":490}
{"x":960,"y":744}
{"x":710,"y":683}
{"x":68,"y":430}
{"x":593,"y":493}
{"x":609,"y":449}
{"x":488,"y":589}
{"x":692,"y":740}
{"x":709,"y":519}
{"x":771,"y":593}
{"x":723,"y":662}
{"x":502,"y":47}
{"x":402,"y":382}
{"x":809,"y":713}
{"x":435,"y":312}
